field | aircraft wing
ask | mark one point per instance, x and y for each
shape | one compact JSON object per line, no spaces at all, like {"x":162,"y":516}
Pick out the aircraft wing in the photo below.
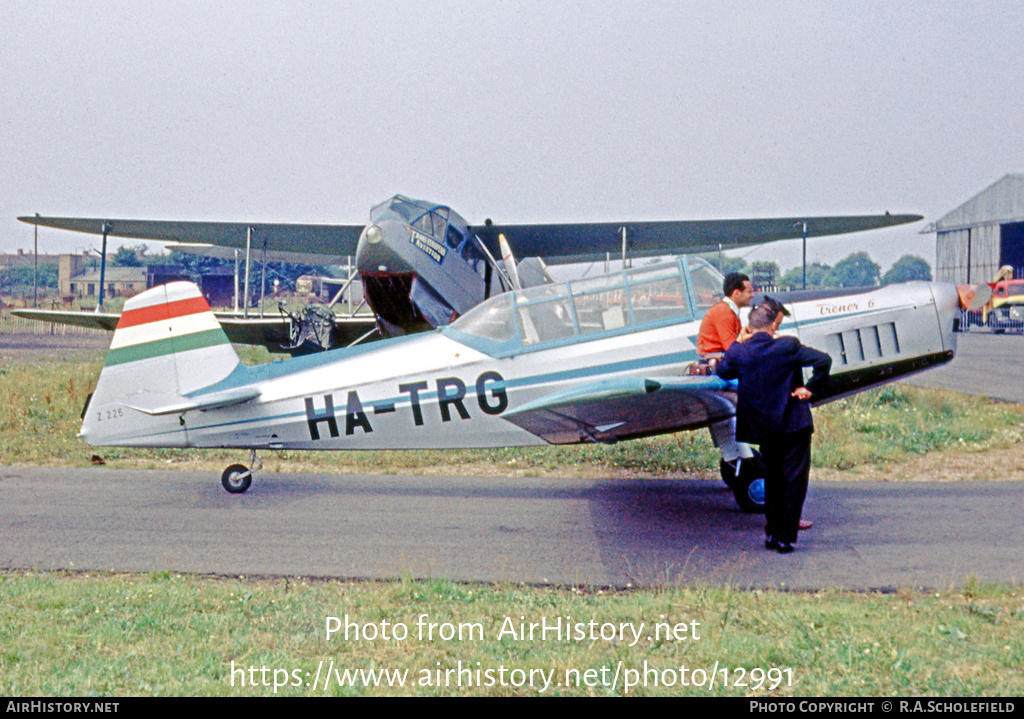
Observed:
{"x":625,"y":408}
{"x":591,"y":241}
{"x":583,"y":241}
{"x":92,"y":320}
{"x":313,"y":241}
{"x":274,"y":333}
{"x":258,"y":254}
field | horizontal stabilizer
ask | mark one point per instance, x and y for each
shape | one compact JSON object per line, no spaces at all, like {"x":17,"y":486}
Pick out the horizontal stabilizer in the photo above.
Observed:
{"x":160,"y":404}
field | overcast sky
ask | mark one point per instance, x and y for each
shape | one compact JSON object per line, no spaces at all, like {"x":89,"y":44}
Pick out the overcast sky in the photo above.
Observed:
{"x":518,"y":111}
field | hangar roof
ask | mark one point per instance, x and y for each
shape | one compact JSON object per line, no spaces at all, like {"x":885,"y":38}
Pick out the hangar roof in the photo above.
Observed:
{"x":1003,"y":201}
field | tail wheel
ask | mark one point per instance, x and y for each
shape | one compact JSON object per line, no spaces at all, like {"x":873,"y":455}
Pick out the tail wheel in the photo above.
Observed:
{"x":236,"y":478}
{"x":748,"y":486}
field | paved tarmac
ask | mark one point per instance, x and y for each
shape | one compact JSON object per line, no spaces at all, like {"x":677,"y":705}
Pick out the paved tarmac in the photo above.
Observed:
{"x":986,"y":364}
{"x":537,"y":530}
{"x":578,"y":532}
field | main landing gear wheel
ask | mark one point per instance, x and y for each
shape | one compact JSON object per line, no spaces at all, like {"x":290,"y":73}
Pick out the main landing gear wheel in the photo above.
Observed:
{"x":236,"y":478}
{"x":748,"y":486}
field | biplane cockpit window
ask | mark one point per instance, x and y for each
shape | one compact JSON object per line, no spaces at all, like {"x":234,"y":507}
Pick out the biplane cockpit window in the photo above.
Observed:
{"x":433,"y":222}
{"x":472,"y":254}
{"x":405,"y":208}
{"x":425,"y":217}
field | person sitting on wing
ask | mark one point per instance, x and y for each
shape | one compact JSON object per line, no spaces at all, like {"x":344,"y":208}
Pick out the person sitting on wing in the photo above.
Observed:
{"x":721,"y":326}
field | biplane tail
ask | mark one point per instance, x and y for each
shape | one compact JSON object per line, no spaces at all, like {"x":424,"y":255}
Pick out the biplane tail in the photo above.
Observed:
{"x":167,"y":346}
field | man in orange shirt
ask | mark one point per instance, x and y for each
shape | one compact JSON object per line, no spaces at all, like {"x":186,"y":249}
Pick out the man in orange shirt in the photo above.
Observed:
{"x":721,"y":324}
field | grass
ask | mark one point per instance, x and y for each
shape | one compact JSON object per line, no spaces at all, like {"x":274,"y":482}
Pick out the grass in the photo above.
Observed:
{"x":170,"y":634}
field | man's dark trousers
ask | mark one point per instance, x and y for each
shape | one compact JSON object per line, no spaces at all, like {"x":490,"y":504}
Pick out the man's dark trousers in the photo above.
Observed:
{"x":787,"y":463}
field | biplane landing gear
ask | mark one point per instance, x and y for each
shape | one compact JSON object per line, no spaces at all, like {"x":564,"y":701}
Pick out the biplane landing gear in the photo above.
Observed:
{"x":747,"y":485}
{"x":237,"y":478}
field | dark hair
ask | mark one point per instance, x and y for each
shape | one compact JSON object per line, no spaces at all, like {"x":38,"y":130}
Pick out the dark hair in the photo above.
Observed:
{"x":775,"y":305}
{"x":734,"y":281}
{"x":761,"y":317}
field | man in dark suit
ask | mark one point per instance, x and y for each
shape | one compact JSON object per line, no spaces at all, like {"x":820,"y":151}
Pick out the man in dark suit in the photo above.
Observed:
{"x":773,"y":410}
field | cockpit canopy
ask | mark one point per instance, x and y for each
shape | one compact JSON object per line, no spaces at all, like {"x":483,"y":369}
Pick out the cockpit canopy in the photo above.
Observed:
{"x":588,"y":308}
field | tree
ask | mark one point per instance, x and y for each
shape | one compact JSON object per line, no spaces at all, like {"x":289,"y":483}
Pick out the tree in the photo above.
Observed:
{"x":794,"y":279}
{"x":906,"y":269}
{"x":128,"y":256}
{"x":725,"y":264}
{"x":856,"y":270}
{"x":20,"y":277}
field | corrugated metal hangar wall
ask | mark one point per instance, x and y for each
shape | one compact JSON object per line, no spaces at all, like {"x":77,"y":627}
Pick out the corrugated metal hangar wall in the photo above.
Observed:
{"x":983,"y":234}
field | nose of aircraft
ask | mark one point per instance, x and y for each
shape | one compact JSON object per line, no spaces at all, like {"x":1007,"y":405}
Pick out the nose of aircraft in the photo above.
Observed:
{"x":377,"y":251}
{"x":949,"y":303}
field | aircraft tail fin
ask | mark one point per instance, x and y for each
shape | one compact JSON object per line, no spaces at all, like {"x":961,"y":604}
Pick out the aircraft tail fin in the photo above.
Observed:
{"x":167,"y":345}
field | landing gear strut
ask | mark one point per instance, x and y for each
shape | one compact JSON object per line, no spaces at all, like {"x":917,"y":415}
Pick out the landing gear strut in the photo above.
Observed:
{"x":237,"y":478}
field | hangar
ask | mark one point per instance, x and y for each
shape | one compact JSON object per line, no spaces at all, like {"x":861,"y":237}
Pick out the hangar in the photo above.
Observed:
{"x":983,"y":234}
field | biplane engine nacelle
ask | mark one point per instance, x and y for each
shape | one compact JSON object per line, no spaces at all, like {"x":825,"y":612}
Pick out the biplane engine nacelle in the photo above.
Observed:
{"x":421,"y":265}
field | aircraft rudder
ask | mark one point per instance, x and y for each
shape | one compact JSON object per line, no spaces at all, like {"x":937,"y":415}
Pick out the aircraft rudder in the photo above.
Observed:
{"x":167,"y":344}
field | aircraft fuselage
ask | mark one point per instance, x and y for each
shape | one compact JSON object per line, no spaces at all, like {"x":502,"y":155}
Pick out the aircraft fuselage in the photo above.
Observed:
{"x":554,"y":363}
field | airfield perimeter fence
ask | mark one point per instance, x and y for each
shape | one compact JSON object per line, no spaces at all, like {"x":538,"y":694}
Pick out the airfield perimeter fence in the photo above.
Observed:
{"x":974,"y":322}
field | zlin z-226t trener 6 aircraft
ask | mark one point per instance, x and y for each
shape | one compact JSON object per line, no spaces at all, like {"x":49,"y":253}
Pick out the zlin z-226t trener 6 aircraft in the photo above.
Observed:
{"x":593,"y":360}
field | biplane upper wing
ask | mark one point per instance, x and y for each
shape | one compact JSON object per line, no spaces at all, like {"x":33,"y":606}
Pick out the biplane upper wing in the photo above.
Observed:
{"x":625,"y":408}
{"x":590,"y":241}
{"x":587,"y":240}
{"x":314,"y":241}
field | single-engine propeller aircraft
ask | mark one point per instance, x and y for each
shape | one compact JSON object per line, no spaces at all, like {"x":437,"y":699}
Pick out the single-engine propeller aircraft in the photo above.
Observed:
{"x":422,"y":264}
{"x":598,"y":359}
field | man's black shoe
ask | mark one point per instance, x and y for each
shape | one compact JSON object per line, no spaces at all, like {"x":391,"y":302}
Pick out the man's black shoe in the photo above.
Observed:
{"x":771,"y":542}
{"x":785,"y":547}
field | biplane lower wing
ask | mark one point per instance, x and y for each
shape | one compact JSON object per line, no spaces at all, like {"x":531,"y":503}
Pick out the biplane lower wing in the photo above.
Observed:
{"x":90,"y":320}
{"x":274,"y":333}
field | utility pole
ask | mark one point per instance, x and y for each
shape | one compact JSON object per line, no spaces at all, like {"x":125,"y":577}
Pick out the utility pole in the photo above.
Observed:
{"x":805,"y":252}
{"x":35,"y":268}
{"x":245,"y":290}
{"x":107,"y":227}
